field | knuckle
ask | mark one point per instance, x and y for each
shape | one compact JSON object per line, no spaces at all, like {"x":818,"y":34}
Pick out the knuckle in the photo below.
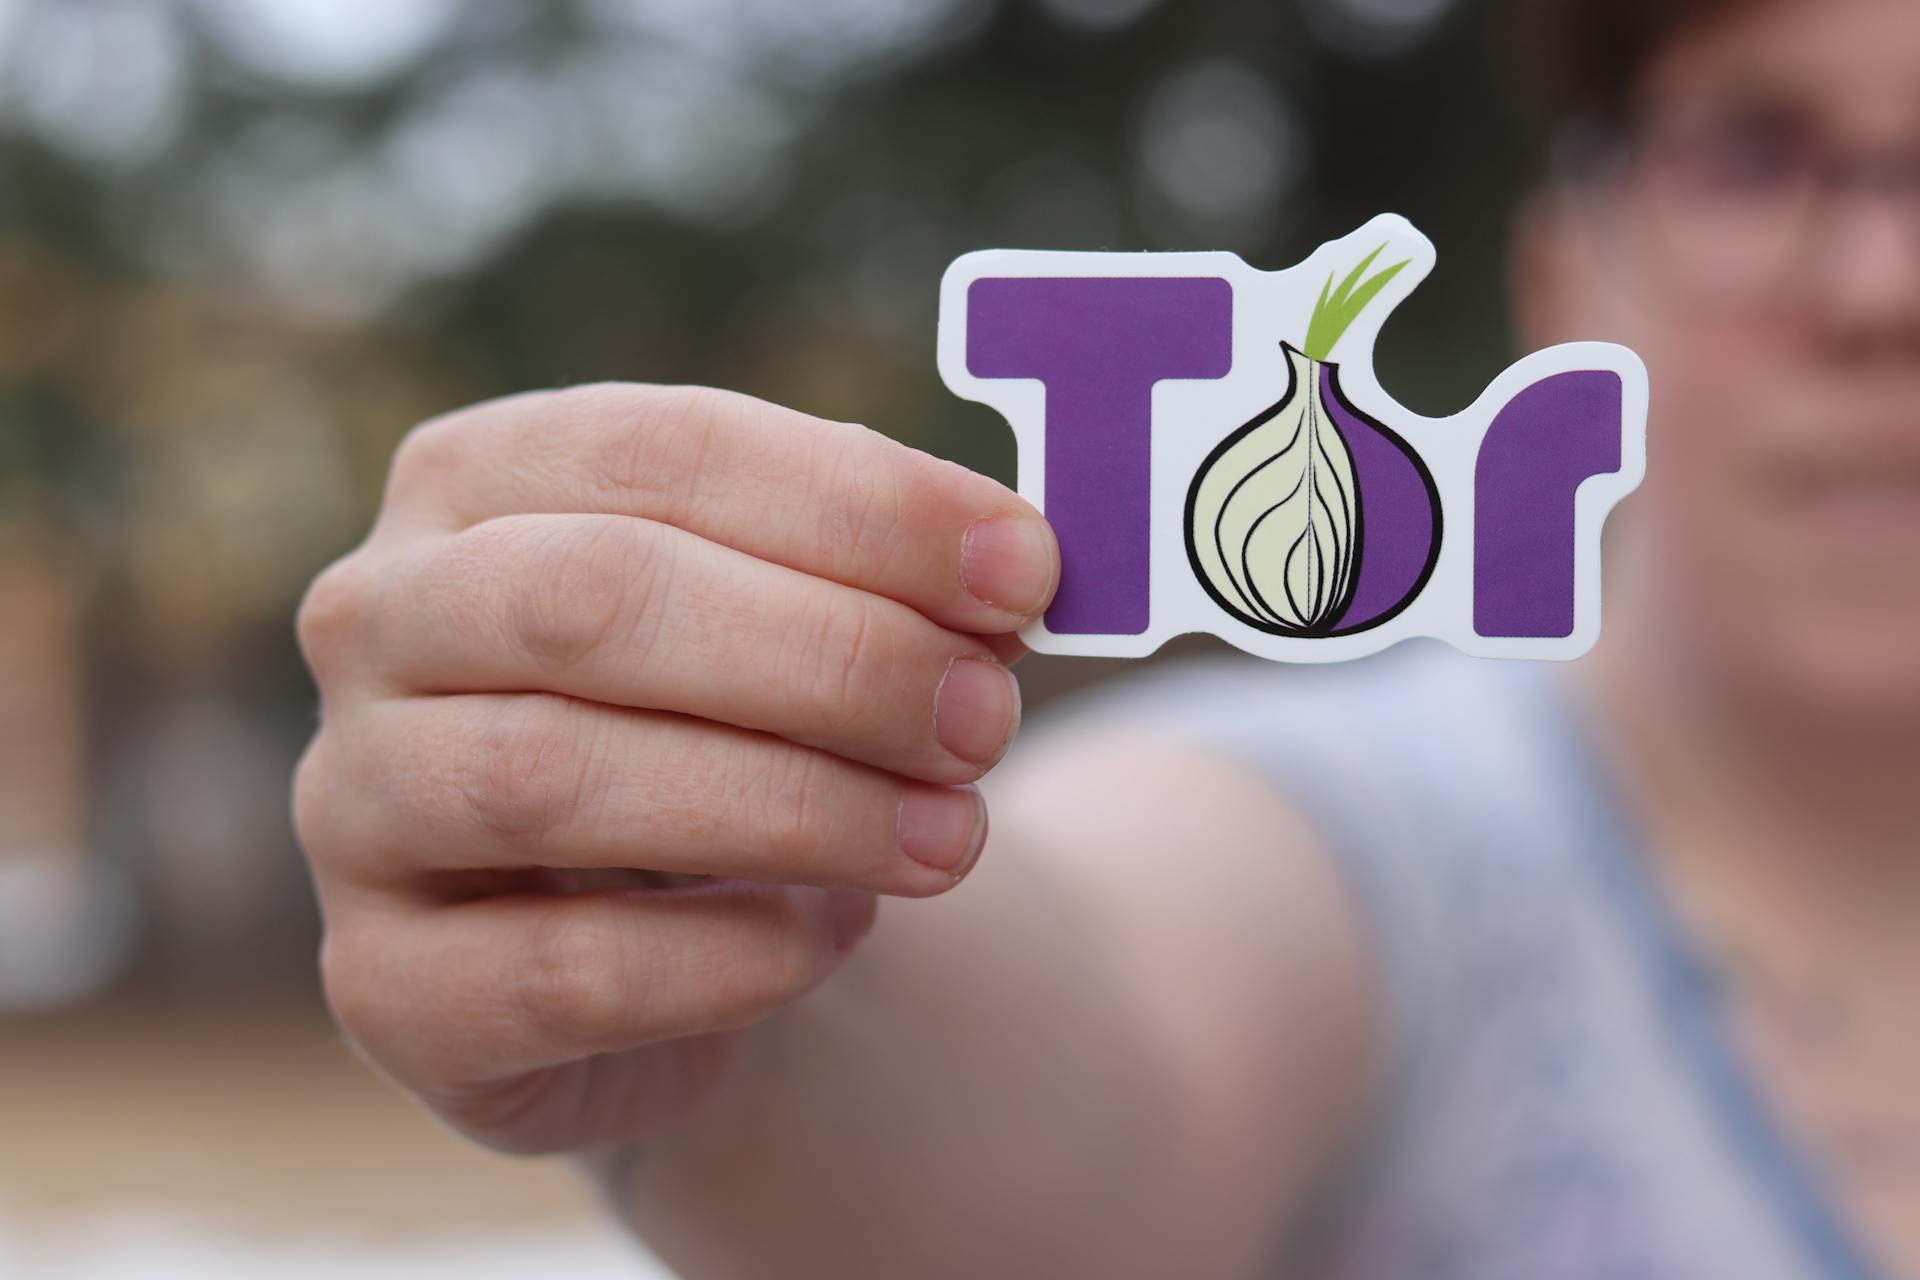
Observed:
{"x":333,"y":612}
{"x":352,"y":990}
{"x":524,"y":779}
{"x":578,"y":585}
{"x":311,"y":808}
{"x":655,"y":444}
{"x":584,"y":978}
{"x":865,"y":509}
{"x":788,"y":799}
{"x":841,"y":657}
{"x":504,"y":1115}
{"x":430,"y":453}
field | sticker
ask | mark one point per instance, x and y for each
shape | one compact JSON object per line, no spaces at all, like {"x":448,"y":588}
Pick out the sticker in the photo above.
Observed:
{"x":1214,"y":451}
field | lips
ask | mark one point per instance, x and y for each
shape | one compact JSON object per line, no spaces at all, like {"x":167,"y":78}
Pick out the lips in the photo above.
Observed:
{"x":1819,"y":479}
{"x":1861,"y":495}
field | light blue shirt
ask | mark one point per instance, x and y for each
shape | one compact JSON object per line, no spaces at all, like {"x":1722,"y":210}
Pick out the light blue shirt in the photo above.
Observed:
{"x":1560,"y":1097}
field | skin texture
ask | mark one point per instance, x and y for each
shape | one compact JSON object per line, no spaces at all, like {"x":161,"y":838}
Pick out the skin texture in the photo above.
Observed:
{"x":1759,"y":676}
{"x":636,"y":702}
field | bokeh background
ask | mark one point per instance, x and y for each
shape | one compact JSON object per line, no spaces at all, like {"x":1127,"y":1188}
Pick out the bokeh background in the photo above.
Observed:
{"x":245,"y":244}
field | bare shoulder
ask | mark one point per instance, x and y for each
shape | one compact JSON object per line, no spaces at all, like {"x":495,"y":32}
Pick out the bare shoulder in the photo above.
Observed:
{"x":1224,"y":914}
{"x":1161,"y":960}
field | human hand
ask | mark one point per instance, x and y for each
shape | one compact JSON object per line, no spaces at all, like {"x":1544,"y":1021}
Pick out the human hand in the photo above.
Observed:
{"x":633,"y":701}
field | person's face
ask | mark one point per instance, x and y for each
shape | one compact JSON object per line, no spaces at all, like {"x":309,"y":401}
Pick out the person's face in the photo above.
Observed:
{"x":1759,"y":247}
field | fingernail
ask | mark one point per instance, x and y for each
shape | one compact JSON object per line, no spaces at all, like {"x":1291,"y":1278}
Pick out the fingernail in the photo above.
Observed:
{"x":942,"y":827}
{"x":976,"y":709}
{"x":1008,"y":562}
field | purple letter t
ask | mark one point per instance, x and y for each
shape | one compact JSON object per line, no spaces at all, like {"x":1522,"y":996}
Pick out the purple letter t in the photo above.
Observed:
{"x":1098,"y":344}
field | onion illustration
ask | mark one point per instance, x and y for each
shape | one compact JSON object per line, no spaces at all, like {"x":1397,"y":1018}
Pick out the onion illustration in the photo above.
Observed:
{"x":1315,"y":519}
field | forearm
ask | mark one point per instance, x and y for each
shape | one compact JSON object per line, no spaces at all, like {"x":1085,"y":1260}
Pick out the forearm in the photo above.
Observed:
{"x":1122,"y":1048}
{"x":926,"y":1111}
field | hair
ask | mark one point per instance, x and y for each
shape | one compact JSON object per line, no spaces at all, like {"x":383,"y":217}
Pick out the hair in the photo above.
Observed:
{"x":1580,"y":61}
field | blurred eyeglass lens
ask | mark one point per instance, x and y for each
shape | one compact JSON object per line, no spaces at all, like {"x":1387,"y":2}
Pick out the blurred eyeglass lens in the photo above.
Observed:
{"x":1734,"y":199}
{"x":1752,"y":162}
{"x":1730,"y":196}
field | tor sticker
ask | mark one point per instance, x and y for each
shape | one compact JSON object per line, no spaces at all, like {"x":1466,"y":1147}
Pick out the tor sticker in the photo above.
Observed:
{"x":1215,"y":454}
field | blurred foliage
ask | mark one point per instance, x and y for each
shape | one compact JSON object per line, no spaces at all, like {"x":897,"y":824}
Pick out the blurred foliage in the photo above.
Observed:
{"x":265,"y":257}
{"x":245,"y":244}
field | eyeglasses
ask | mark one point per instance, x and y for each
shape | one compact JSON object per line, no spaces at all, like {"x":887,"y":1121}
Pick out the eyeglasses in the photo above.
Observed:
{"x":1735,"y":203}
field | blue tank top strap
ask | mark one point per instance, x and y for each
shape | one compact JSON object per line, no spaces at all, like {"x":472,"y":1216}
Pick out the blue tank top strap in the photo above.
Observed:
{"x":1692,"y":995}
{"x":1549,"y":1052}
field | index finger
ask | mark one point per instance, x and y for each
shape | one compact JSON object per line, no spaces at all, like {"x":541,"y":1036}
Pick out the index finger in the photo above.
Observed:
{"x":829,"y":499}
